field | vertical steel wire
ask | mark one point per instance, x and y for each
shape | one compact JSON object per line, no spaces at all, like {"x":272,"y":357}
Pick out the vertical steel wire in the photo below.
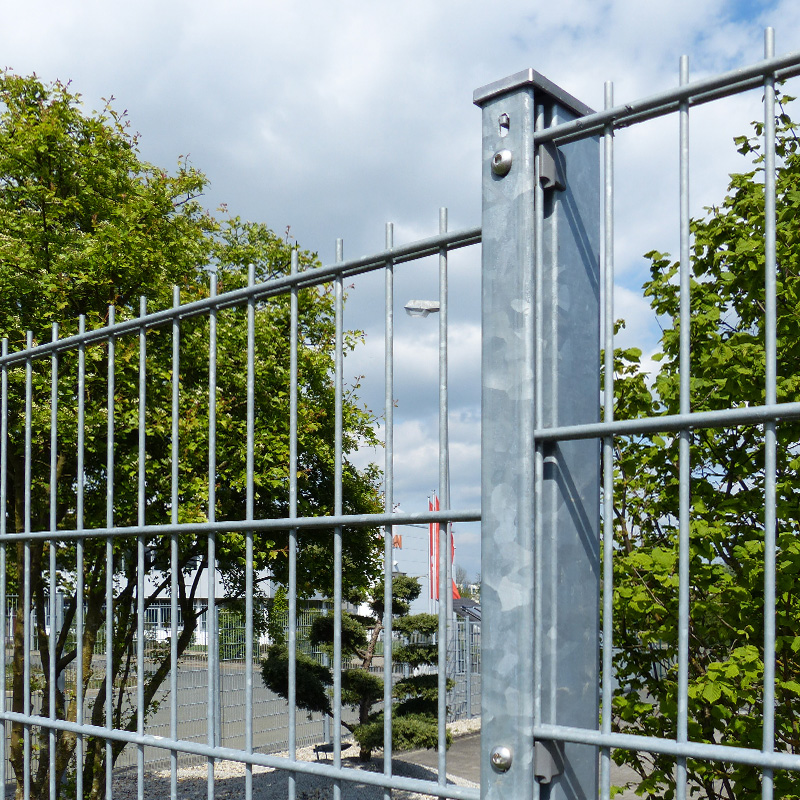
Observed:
{"x":248,"y":646}
{"x":551,"y":382}
{"x":140,"y":549}
{"x":212,"y":646}
{"x":770,"y":441}
{"x":684,"y":452}
{"x":337,"y":536}
{"x":173,"y":555}
{"x":465,"y":626}
{"x":53,"y":580}
{"x":388,"y":484}
{"x":110,"y":554}
{"x":3,"y":511}
{"x":26,"y":602}
{"x":445,"y":590}
{"x":292,"y":639}
{"x":444,"y":429}
{"x":538,"y":473}
{"x":468,"y":635}
{"x":608,"y":441}
{"x":80,"y":588}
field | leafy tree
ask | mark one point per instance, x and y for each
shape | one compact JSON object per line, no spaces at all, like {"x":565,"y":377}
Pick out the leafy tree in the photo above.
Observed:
{"x":414,"y":715}
{"x":461,"y":581}
{"x":86,"y":224}
{"x":727,"y":489}
{"x":467,"y":589}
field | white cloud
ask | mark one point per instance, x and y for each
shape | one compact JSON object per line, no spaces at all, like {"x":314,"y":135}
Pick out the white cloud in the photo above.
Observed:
{"x":641,"y":326}
{"x":335,"y":117}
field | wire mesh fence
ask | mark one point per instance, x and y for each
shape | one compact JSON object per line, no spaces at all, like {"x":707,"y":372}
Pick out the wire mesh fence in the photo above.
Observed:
{"x":137,"y":467}
{"x":270,"y":712}
{"x":140,"y":545}
{"x":690,"y":696}
{"x":674,"y":549}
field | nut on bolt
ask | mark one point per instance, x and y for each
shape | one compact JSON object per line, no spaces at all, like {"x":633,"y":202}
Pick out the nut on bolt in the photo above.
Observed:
{"x":501,"y":163}
{"x":501,"y":758}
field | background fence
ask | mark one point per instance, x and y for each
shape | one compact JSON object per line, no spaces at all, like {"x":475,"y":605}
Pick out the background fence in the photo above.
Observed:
{"x":270,"y":712}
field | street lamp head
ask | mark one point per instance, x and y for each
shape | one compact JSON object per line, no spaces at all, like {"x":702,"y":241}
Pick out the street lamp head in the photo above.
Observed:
{"x":421,"y":308}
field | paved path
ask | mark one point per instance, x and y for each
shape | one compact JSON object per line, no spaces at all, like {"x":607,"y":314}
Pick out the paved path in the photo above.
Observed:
{"x":464,"y":760}
{"x":463,"y":757}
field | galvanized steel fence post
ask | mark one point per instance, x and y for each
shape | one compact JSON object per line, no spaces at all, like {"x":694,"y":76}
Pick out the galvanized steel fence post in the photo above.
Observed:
{"x":540,"y":510}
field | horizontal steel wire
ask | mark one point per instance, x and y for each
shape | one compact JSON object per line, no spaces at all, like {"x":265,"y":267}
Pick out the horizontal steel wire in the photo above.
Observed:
{"x":751,"y":415}
{"x":260,"y":759}
{"x":281,"y":524}
{"x":276,"y":286}
{"x":696,"y":750}
{"x":667,"y":102}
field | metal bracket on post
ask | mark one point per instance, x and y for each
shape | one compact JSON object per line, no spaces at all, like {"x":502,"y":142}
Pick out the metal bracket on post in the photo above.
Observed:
{"x":548,"y":759}
{"x":540,"y":360}
{"x":552,"y":170}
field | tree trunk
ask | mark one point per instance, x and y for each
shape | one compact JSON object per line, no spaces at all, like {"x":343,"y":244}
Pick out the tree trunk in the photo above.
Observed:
{"x":17,"y":749}
{"x":364,"y":754}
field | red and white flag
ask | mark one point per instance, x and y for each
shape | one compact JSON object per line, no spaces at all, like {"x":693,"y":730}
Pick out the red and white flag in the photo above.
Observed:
{"x":433,"y":550}
{"x":433,"y":553}
{"x":456,"y":593}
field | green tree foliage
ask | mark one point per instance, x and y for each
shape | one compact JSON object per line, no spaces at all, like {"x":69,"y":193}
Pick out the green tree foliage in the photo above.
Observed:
{"x":727,"y":498}
{"x":466,"y":588}
{"x":86,"y":224}
{"x":414,"y":715}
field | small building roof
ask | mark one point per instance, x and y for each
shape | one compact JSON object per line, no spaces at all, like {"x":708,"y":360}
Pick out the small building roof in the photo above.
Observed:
{"x":467,"y":608}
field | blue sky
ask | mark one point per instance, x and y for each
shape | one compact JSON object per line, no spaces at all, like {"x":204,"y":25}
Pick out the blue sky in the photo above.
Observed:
{"x":334,"y":118}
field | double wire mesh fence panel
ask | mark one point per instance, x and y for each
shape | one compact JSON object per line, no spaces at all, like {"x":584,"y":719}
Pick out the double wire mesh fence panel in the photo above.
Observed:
{"x":166,"y":462}
{"x":269,"y":710}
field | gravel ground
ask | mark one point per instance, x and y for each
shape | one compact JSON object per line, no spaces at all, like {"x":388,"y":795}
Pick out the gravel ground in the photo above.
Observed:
{"x":271,"y":784}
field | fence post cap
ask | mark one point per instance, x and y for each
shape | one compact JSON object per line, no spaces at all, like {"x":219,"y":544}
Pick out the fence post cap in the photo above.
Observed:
{"x":530,"y":77}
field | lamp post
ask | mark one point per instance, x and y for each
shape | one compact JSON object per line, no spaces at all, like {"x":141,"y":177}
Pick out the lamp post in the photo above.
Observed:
{"x":423,"y":308}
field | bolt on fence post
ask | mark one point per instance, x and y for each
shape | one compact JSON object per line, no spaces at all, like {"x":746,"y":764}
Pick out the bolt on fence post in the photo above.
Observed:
{"x":540,"y":368}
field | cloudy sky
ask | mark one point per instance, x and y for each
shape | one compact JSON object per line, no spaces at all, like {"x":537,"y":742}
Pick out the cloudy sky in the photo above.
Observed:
{"x":336,"y":117}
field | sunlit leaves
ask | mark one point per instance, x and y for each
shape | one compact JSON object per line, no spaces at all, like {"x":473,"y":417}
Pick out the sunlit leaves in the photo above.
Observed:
{"x":726,"y":521}
{"x":86,"y":224}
